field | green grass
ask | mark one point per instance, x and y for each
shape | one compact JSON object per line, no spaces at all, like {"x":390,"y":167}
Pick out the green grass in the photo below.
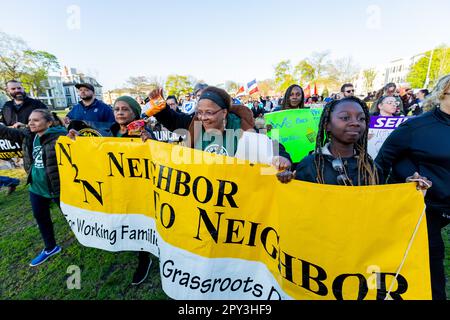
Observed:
{"x":446,"y":237}
{"x":104,"y":275}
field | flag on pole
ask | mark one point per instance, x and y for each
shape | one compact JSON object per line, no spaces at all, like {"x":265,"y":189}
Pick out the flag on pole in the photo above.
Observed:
{"x":252,"y":87}
{"x":307,"y":91}
{"x":316,"y":92}
{"x":240,"y":92}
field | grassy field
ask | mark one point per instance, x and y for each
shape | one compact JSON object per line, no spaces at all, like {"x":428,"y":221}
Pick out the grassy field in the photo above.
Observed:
{"x":104,"y":275}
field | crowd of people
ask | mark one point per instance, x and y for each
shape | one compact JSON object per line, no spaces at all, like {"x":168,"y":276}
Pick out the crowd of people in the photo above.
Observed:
{"x":417,"y":151}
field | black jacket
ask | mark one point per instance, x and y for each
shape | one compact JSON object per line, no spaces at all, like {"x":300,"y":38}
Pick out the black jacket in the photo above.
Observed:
{"x":257,"y":111}
{"x":421,"y":144}
{"x":48,"y":141}
{"x":306,"y":170}
{"x":10,"y":115}
{"x":176,"y":120}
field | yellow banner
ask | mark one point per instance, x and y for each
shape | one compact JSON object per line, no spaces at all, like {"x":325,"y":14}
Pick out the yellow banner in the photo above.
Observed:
{"x":227,"y":229}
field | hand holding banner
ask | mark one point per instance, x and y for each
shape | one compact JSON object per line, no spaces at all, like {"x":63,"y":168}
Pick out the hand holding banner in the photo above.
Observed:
{"x":229,"y":232}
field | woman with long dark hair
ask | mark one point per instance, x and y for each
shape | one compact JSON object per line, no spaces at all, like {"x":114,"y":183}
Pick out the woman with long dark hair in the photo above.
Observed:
{"x":294,"y":98}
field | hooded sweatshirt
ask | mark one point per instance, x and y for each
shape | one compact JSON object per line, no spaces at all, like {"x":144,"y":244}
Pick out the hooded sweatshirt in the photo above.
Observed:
{"x":421,"y":145}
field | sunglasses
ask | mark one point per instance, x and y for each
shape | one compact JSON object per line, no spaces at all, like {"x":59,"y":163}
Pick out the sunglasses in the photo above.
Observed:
{"x":349,"y":91}
{"x":342,"y":178}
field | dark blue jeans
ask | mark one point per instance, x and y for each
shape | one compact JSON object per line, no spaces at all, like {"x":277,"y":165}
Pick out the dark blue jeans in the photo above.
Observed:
{"x":41,"y":211}
{"x":7,"y":181}
{"x":436,"y":247}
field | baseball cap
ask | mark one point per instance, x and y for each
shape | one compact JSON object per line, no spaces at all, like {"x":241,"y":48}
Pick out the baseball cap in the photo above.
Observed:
{"x":85,"y":85}
{"x":199,"y":86}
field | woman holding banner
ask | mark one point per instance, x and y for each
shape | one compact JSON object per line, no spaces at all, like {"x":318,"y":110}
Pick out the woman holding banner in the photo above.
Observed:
{"x":38,"y":145}
{"x":127,"y":112}
{"x":422,"y":145}
{"x":340,"y":156}
{"x":207,"y":127}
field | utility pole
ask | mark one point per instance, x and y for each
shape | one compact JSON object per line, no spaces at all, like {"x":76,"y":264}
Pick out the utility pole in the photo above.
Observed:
{"x":427,"y":80}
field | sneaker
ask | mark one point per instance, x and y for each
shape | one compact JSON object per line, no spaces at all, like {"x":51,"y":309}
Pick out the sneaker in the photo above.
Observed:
{"x":141,"y":272}
{"x":44,"y":255}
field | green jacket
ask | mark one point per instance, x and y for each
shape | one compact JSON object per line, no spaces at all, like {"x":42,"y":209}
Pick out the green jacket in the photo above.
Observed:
{"x":48,"y":141}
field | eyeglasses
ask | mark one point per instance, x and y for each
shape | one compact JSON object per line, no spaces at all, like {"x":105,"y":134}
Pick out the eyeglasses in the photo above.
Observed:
{"x":396,"y":103}
{"x":342,"y":178}
{"x":349,"y":91}
{"x":207,"y":114}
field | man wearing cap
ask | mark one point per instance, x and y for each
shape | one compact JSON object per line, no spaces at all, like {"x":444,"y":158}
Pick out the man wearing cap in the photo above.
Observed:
{"x":190,"y":106}
{"x":198,"y":90}
{"x":89,"y":108}
{"x":15,"y":113}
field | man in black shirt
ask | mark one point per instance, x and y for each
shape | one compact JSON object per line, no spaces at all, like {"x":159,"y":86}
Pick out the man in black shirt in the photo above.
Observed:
{"x":15,"y":113}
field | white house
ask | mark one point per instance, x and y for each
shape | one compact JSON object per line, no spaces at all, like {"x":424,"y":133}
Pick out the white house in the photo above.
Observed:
{"x":53,"y":96}
{"x":395,"y":71}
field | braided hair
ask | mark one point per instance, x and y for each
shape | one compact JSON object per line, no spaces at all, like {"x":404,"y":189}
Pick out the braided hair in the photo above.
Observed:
{"x":367,"y":173}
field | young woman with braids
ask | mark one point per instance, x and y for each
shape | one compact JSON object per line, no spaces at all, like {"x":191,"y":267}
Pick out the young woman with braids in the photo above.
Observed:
{"x":340,"y":156}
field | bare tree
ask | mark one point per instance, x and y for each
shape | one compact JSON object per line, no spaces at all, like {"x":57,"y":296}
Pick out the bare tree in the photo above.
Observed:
{"x":345,"y":69}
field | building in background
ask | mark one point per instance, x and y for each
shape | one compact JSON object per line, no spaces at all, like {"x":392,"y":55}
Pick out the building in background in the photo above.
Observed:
{"x":398,"y":70}
{"x":53,"y":95}
{"x":395,"y":71}
{"x":60,"y":91}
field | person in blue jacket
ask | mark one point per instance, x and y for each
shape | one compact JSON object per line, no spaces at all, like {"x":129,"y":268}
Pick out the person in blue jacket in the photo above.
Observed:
{"x":89,"y":108}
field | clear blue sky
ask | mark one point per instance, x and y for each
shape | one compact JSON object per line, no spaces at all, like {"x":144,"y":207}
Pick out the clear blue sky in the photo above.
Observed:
{"x":222,"y":40}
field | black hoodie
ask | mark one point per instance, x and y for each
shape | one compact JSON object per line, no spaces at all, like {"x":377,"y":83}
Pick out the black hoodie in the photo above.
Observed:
{"x":421,"y":144}
{"x":11,"y":115}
